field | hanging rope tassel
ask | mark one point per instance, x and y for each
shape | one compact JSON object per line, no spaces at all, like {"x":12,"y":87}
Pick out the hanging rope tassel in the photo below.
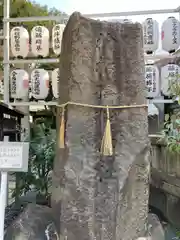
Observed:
{"x":106,"y":144}
{"x":62,"y":130}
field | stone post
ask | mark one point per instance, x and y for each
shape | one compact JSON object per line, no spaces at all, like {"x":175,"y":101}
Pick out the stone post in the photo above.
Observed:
{"x":96,"y":197}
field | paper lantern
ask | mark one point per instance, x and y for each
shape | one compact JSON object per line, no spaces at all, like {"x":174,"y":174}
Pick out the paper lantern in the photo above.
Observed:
{"x":152,"y":80}
{"x":151,"y":35}
{"x":57,"y":34}
{"x":39,"y":83}
{"x":19,"y":42}
{"x":55,"y":82}
{"x":19,"y":84}
{"x":170,"y":34}
{"x":40,"y":41}
{"x":169,"y":74}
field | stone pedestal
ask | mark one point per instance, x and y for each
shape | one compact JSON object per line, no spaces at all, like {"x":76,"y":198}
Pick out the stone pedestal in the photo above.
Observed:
{"x":98,"y":197}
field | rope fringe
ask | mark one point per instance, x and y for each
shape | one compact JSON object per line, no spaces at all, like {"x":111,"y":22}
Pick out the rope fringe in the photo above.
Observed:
{"x":62,"y":130}
{"x":106,"y":144}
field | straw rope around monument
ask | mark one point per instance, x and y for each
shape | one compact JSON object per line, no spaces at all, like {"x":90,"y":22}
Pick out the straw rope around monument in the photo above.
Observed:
{"x":106,"y":143}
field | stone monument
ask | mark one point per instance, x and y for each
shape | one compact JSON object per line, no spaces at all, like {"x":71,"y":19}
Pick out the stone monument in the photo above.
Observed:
{"x":95,"y":196}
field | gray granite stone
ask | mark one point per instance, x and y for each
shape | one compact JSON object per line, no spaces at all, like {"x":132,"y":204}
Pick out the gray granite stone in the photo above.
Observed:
{"x":34,"y":223}
{"x":97,"y":197}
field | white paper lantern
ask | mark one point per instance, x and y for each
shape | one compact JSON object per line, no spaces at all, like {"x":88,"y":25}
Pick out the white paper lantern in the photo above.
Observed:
{"x":19,"y":84}
{"x":152,"y":80}
{"x":19,"y":42}
{"x":55,"y":82}
{"x":170,"y":34}
{"x":39,"y":83}
{"x":151,"y":35}
{"x":57,"y":34}
{"x":40,"y":41}
{"x":169,"y":74}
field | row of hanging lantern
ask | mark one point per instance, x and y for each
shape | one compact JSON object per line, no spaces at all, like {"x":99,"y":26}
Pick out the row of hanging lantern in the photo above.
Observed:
{"x":40,"y":43}
{"x":37,"y":85}
{"x":170,"y":37}
{"x":157,"y":82}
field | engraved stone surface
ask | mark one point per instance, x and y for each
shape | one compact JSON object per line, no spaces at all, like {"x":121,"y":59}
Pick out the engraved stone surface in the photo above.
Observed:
{"x":95,"y":197}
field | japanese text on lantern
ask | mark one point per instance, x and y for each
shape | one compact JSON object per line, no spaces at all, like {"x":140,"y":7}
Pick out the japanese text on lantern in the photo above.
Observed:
{"x":38,"y":35}
{"x":13,"y":82}
{"x":58,"y":76}
{"x":150,"y":79}
{"x":173,"y":71}
{"x":17,"y":39}
{"x":148,"y":39}
{"x":56,"y":37}
{"x":1,"y":86}
{"x":174,"y":31}
{"x":36,"y":82}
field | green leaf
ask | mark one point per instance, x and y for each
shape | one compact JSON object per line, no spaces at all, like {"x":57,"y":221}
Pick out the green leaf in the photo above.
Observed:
{"x":177,"y":121}
{"x":41,"y":157}
{"x":26,"y":8}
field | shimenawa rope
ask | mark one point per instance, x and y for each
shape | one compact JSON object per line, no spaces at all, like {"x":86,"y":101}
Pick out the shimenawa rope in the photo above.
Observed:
{"x":106,"y":144}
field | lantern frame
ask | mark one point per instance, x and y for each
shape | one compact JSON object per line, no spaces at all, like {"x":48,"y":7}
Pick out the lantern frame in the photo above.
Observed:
{"x":7,"y":61}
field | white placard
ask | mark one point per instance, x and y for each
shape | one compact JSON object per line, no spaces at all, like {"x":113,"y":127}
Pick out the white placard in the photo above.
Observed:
{"x":14,"y":156}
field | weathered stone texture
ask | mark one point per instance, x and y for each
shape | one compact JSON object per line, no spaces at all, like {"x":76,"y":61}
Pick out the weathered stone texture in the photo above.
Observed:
{"x":98,"y":197}
{"x":34,"y":223}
